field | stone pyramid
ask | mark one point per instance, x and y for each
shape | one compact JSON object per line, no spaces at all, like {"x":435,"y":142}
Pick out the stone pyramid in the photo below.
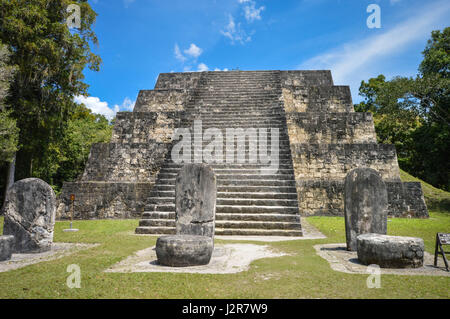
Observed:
{"x":321,"y":138}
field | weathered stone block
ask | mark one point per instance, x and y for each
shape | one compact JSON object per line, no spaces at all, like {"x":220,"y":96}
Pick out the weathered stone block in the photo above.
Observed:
{"x":30,"y":215}
{"x":365,"y":204}
{"x":195,"y":200}
{"x":336,"y":160}
{"x":104,"y":200}
{"x":6,"y":247}
{"x":390,"y":251}
{"x":184,"y":250}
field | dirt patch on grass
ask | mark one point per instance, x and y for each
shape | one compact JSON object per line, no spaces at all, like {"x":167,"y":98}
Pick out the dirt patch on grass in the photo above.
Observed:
{"x":340,"y":259}
{"x":58,"y":250}
{"x":226,"y":259}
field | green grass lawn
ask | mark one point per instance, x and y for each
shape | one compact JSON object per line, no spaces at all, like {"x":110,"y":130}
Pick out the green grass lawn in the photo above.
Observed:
{"x":302,"y":274}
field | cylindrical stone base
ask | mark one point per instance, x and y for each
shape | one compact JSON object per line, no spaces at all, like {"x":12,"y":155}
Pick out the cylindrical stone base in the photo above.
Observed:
{"x":184,"y":250}
{"x":390,"y":251}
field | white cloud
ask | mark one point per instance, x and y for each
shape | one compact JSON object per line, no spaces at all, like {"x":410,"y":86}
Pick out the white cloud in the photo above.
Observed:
{"x":252,"y":13}
{"x":193,"y":51}
{"x":244,"y":1}
{"x":357,"y":60}
{"x":178,"y":55}
{"x":202,"y":67}
{"x":99,"y":107}
{"x":234,"y":32}
{"x":96,"y":106}
{"x":217,"y":69}
{"x":127,"y":105}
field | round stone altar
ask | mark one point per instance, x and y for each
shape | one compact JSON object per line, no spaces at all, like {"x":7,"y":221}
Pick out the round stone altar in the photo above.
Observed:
{"x":184,"y":250}
{"x":390,"y":251}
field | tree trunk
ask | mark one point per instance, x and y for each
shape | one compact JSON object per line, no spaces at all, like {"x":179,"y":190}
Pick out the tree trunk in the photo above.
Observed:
{"x":9,"y":179}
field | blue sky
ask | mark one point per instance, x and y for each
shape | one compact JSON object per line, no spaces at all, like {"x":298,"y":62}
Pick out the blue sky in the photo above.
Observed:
{"x":141,"y":38}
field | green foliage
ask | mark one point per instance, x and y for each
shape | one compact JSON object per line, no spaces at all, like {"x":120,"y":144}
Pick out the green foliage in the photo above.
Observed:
{"x":65,"y":160}
{"x":437,"y":54}
{"x":414,"y":115}
{"x":50,"y":61}
{"x":9,"y":132}
{"x":8,"y":136}
{"x":84,"y":129}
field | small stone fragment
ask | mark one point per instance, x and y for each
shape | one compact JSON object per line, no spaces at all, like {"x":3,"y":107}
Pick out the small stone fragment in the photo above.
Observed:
{"x":6,"y":247}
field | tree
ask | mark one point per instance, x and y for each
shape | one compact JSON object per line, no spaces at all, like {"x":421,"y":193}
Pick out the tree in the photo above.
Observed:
{"x":50,"y":61}
{"x":413,"y":113}
{"x":70,"y":155}
{"x":437,"y":54}
{"x":9,"y":132}
{"x":8,"y":129}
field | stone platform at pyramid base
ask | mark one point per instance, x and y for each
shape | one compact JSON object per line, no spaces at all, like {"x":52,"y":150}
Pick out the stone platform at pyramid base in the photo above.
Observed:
{"x":98,"y":200}
{"x":326,"y":198}
{"x":103,"y":200}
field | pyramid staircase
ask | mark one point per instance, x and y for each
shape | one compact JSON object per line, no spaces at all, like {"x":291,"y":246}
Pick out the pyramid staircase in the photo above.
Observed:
{"x":248,"y":202}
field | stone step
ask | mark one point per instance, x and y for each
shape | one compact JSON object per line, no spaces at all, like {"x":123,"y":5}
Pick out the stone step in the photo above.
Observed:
{"x":241,"y":183}
{"x":239,"y":188}
{"x":158,"y":215}
{"x":282,"y":137}
{"x":281,"y":165}
{"x":258,"y":232}
{"x":235,"y":209}
{"x":236,"y":110}
{"x":283,"y":154}
{"x":245,"y":100}
{"x":243,"y":93}
{"x":247,"y":90}
{"x":242,"y":83}
{"x":157,"y":223}
{"x":237,"y":176}
{"x":221,"y":106}
{"x":257,"y":202}
{"x":229,"y":93}
{"x":231,"y":171}
{"x":251,"y":195}
{"x":155,"y":230}
{"x":231,"y":115}
{"x":237,"y":84}
{"x":222,"y":231}
{"x":236,"y":122}
{"x":282,"y":144}
{"x":257,"y":195}
{"x":170,"y":216}
{"x":231,"y":201}
{"x":239,"y":224}
{"x":231,"y":209}
{"x":259,"y":225}
{"x":294,"y":218}
{"x":243,"y":114}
